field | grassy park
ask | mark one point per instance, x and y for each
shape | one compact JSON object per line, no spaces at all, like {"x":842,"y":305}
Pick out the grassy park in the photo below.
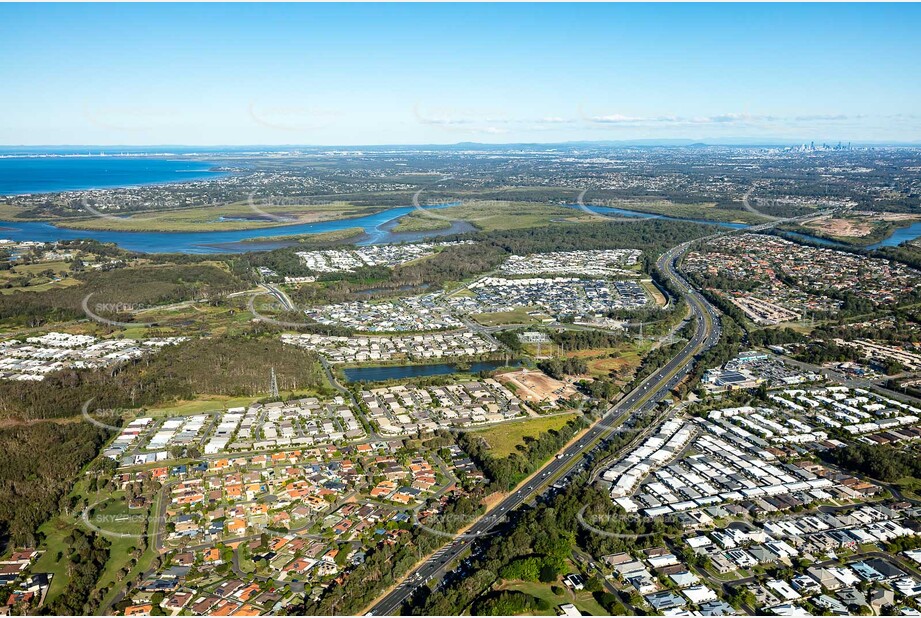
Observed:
{"x":504,"y":438}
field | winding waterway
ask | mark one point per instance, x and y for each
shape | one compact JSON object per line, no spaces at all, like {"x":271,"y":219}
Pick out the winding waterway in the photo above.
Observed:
{"x":378,"y":229}
{"x":19,"y":175}
{"x":635,"y":214}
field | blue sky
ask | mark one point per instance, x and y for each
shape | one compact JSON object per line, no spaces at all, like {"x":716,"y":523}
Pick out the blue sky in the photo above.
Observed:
{"x":417,"y":73}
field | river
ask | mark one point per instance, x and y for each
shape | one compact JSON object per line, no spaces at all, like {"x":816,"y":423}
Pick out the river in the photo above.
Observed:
{"x":43,"y":174}
{"x":900,"y":235}
{"x":635,"y":214}
{"x":378,"y":229}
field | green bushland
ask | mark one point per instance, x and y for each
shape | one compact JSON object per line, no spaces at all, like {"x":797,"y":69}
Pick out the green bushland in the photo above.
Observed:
{"x":133,"y":285}
{"x":508,"y":603}
{"x":505,"y":472}
{"x":38,"y":463}
{"x":321,"y":240}
{"x":559,"y":368}
{"x":87,"y":554}
{"x":231,"y":366}
{"x":879,"y":462}
{"x":908,"y":253}
{"x":507,"y":438}
{"x":547,"y":535}
{"x":710,"y":211}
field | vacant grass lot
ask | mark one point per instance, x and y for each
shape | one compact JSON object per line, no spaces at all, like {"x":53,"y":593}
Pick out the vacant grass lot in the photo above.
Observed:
{"x":518,"y":316}
{"x":35,"y":277}
{"x":8,"y":212}
{"x":582,"y":599}
{"x":505,"y":437}
{"x":55,"y":531}
{"x":622,"y":359}
{"x":197,"y":406}
{"x":490,"y":216}
{"x":119,"y":555}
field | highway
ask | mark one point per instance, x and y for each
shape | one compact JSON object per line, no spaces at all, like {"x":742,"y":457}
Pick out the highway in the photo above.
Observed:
{"x":645,"y":396}
{"x":279,"y":294}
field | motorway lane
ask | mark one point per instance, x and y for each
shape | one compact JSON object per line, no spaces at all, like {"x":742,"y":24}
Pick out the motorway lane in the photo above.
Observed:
{"x":280,"y":295}
{"x":646,"y":395}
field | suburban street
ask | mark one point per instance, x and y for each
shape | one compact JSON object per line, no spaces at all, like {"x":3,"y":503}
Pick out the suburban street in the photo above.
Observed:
{"x":640,"y":399}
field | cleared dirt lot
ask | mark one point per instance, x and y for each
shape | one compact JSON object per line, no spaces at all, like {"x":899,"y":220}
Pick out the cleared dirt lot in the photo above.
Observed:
{"x":858,"y":225}
{"x":536,"y":386}
{"x":842,"y":227}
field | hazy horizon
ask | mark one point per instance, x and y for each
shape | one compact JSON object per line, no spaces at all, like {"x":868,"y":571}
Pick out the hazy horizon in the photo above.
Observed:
{"x":639,"y":142}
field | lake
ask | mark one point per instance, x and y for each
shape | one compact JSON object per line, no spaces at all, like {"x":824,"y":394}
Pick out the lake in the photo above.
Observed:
{"x":400,"y":372}
{"x":22,"y":175}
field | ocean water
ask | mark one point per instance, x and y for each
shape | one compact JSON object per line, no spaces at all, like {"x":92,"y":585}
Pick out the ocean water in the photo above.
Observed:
{"x":42,"y":174}
{"x":21,"y":175}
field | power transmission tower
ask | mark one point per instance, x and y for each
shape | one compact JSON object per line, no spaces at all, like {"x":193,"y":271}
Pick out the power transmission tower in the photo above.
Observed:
{"x":274,"y":386}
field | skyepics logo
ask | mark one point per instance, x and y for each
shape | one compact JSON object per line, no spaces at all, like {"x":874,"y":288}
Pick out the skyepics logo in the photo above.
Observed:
{"x":629,"y":526}
{"x":285,"y":302}
{"x":120,"y":521}
{"x":129,"y":118}
{"x":452,"y":212}
{"x":263,"y":207}
{"x":112,"y":206}
{"x":295,"y":118}
{"x":608,"y":209}
{"x":446,"y":525}
{"x":93,"y":311}
{"x":105,"y":418}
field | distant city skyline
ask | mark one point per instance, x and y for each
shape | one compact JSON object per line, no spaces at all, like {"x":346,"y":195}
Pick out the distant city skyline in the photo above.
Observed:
{"x":283,"y":74}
